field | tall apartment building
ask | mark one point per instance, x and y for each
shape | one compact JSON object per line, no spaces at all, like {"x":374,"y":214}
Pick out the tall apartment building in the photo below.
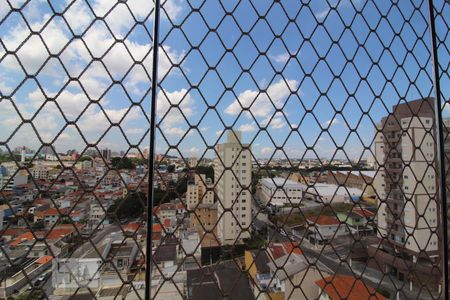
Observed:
{"x":199,"y":190}
{"x":233,"y":174}
{"x":406,"y":185}
{"x":106,"y":154}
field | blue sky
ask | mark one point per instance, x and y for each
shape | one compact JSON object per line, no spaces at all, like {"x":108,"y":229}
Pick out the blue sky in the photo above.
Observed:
{"x":305,"y":89}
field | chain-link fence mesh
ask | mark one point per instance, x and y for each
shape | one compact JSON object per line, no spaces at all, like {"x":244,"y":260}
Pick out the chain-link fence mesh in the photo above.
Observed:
{"x":295,"y":153}
{"x":74,"y":146}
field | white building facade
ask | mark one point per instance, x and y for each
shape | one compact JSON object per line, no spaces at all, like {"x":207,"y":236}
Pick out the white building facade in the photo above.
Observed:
{"x":416,"y":146}
{"x":233,"y":173}
{"x":279,"y":191}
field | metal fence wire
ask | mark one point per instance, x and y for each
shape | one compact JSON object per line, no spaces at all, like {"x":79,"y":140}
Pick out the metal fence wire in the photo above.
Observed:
{"x":224,"y":149}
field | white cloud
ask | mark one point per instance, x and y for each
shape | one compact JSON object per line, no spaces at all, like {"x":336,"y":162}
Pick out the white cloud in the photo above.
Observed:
{"x":134,"y":130}
{"x":336,"y":4}
{"x":78,"y":16}
{"x":76,"y":57}
{"x":172,"y":115}
{"x":277,"y":123}
{"x":247,"y":127}
{"x":172,"y":8}
{"x":173,"y":131}
{"x":4,"y":9}
{"x":219,"y":132}
{"x":194,"y":150}
{"x":331,"y":122}
{"x":204,"y":129}
{"x":5,"y":89}
{"x":281,"y":58}
{"x":322,"y":14}
{"x":266,"y":151}
{"x":262,"y":104}
{"x":98,"y":40}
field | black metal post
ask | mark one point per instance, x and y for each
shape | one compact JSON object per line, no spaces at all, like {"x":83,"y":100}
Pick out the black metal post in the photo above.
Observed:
{"x":440,"y":151}
{"x":151,"y":157}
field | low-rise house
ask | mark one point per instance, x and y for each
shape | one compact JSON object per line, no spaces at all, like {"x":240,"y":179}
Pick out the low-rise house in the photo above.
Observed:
{"x":50,"y":216}
{"x":337,"y":287}
{"x":166,"y":210}
{"x":121,"y":255}
{"x":283,"y":272}
{"x":6,"y":212}
{"x":322,"y":229}
{"x":360,"y":221}
{"x":63,"y":232}
{"x":297,"y":275}
{"x":262,"y":281}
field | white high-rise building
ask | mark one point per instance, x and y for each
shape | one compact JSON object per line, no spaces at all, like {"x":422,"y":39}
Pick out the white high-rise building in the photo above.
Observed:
{"x":233,"y":174}
{"x":408,"y":214}
{"x":23,"y":153}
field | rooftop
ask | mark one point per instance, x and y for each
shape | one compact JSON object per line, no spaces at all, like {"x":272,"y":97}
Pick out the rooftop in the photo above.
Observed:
{"x":223,"y":281}
{"x":261,"y":259}
{"x":165,"y":253}
{"x":333,"y":189}
{"x":339,"y":287}
{"x":281,"y":183}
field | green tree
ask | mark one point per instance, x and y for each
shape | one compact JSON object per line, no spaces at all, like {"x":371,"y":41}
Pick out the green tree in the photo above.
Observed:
{"x":207,"y":170}
{"x":122,"y":163}
{"x":39,"y":225}
{"x":84,"y":158}
{"x":130,"y":207}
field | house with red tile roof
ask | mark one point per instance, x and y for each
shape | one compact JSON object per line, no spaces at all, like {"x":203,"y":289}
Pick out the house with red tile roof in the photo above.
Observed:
{"x":360,"y":221}
{"x":321,"y":229}
{"x":54,"y":235}
{"x":44,"y":259}
{"x":132,"y":227}
{"x":7,"y":234}
{"x":337,"y":287}
{"x":50,"y":216}
{"x":277,"y":271}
